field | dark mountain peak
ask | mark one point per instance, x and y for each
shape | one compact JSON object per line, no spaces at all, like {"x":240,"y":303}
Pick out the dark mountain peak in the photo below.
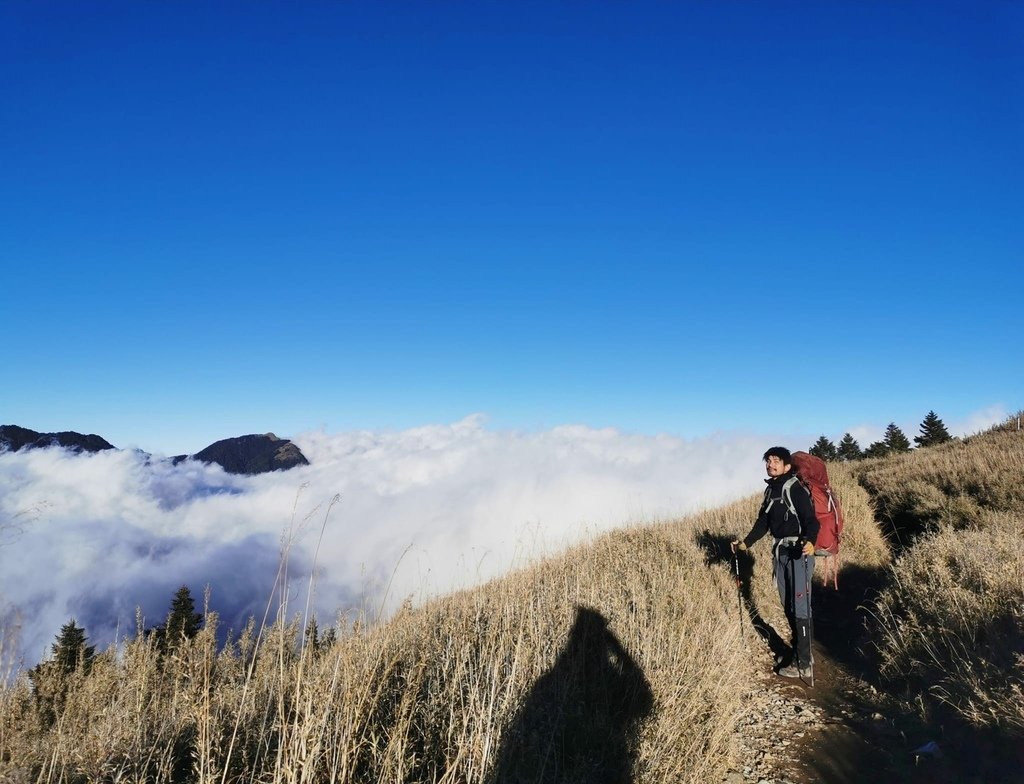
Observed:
{"x":13,"y":437}
{"x":253,"y":454}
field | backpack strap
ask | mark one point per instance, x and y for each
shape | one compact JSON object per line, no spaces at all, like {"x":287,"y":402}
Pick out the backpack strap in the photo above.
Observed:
{"x":832,"y":565}
{"x":787,"y":497}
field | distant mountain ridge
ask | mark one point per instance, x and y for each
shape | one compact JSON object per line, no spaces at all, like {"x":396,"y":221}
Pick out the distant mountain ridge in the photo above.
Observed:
{"x":13,"y":437}
{"x":249,"y":454}
{"x":253,"y":454}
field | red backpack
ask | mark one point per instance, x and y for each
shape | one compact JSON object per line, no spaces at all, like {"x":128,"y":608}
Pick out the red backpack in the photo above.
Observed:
{"x":813,"y":475}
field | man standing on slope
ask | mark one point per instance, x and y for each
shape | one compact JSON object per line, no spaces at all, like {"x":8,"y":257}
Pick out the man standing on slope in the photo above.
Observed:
{"x":788,"y":513}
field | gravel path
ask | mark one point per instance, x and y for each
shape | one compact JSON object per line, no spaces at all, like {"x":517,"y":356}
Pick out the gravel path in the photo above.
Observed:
{"x":777,"y":717}
{"x":841,"y":731}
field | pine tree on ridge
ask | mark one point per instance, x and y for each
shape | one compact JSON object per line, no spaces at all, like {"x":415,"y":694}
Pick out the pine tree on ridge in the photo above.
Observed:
{"x":933,"y":431}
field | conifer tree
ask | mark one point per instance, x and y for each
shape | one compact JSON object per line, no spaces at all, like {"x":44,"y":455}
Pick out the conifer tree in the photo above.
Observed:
{"x":849,"y":449}
{"x":311,"y":638}
{"x":824,"y":449}
{"x":315,"y":642}
{"x":895,"y":440}
{"x":71,"y":651}
{"x":933,"y":431}
{"x":183,"y":622}
{"x":328,"y":639}
{"x":52,"y":679}
{"x":876,"y":449}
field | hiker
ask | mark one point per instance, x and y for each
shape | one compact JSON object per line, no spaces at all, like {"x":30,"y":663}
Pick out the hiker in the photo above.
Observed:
{"x":792,"y":552}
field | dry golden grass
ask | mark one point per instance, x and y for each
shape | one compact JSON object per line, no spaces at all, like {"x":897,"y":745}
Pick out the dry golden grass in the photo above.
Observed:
{"x":949,"y":485}
{"x":950,"y":623}
{"x":625,"y":650}
{"x":863,"y":544}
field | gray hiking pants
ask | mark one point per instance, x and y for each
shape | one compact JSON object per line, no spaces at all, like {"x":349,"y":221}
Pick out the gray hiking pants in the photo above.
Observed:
{"x":793,"y":579}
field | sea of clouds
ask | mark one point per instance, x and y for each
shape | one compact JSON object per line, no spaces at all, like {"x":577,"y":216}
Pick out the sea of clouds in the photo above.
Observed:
{"x":378,"y":516}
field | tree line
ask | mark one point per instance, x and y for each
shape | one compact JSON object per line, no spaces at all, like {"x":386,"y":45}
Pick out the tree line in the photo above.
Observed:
{"x":72,"y":656}
{"x":932,"y":433}
{"x":72,"y":653}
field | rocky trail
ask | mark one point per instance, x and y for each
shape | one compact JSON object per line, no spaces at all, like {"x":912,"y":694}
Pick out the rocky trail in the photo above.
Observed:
{"x":846,"y":729}
{"x":842,"y":730}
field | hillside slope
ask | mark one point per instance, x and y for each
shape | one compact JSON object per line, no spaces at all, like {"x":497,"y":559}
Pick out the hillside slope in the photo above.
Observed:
{"x":634,"y":657}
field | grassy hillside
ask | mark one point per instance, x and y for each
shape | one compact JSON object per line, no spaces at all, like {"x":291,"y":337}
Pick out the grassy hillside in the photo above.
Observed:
{"x":625,"y":651}
{"x":950,"y":623}
{"x":620,"y":657}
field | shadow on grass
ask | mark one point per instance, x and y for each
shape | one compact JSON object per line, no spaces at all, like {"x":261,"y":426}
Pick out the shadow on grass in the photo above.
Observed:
{"x":717,"y":550}
{"x":840,"y":615}
{"x":580,"y":721}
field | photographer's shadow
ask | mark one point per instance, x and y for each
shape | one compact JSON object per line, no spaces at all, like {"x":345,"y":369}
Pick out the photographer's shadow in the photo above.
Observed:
{"x":581,"y":719}
{"x":718,"y":550}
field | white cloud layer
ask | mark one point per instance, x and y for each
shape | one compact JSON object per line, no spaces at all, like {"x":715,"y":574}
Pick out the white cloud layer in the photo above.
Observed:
{"x":430,"y":510}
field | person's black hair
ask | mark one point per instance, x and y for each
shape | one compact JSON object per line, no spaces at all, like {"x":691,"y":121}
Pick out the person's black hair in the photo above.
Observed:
{"x":780,"y":452}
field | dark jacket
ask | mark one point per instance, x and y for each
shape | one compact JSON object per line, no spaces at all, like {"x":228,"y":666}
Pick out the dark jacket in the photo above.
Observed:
{"x":775,"y":517}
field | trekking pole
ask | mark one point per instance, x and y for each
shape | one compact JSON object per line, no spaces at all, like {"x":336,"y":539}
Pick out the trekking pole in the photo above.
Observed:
{"x":807,"y":628}
{"x":796,"y":618}
{"x":739,"y":590}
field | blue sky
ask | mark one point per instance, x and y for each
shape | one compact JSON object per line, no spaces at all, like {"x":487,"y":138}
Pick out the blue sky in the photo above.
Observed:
{"x":224,"y":218}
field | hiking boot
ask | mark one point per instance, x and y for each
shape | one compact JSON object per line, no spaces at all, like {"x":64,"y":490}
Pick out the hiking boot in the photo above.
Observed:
{"x":793,"y":671}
